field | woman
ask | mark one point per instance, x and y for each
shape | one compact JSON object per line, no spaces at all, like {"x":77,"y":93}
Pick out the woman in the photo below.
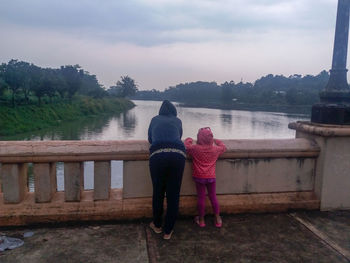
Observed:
{"x":167,"y":161}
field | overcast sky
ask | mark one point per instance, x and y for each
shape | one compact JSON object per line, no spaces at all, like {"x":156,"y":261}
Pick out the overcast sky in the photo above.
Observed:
{"x":161,"y":43}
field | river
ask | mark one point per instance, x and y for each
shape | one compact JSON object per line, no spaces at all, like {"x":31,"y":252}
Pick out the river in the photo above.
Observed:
{"x":133,"y":124}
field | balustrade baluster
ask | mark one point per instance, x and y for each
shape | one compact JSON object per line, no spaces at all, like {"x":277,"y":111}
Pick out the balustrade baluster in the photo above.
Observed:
{"x":102,"y":180}
{"x":44,"y":181}
{"x":14,"y":181}
{"x":0,"y":179}
{"x":73,"y":180}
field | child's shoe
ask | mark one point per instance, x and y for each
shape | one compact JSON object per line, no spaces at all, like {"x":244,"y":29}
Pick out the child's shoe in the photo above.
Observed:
{"x":218,"y":221}
{"x":198,"y":222}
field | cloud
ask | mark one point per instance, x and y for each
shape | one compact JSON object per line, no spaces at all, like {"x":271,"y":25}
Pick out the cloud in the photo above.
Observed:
{"x":161,"y":43}
{"x":154,"y":22}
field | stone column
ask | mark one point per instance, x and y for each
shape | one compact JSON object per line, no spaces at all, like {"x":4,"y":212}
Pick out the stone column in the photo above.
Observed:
{"x":332,"y":177}
{"x":335,"y":98}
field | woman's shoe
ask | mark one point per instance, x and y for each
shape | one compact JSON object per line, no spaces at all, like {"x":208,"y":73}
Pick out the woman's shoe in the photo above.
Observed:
{"x":197,"y":221}
{"x":168,"y":236}
{"x":155,"y":229}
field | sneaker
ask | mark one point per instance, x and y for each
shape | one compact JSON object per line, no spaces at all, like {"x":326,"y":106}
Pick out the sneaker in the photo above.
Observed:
{"x":155,"y":229}
{"x":168,"y":236}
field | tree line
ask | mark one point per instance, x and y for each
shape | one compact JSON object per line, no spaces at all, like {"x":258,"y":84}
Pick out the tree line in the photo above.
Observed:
{"x":21,"y":81}
{"x":268,"y":90}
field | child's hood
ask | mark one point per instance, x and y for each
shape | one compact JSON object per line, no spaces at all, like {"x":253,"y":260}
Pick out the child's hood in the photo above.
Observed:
{"x":205,"y":137}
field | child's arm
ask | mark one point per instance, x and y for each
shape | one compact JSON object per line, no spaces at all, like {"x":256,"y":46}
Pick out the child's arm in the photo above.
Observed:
{"x":189,"y":145}
{"x":221,"y":146}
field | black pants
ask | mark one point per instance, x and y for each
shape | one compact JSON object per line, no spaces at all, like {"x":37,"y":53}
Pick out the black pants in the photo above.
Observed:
{"x":166,"y":172}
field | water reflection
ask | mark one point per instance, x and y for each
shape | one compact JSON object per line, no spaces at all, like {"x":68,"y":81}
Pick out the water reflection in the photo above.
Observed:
{"x":128,"y":123}
{"x":226,"y":120}
{"x":69,"y":130}
{"x":226,"y":124}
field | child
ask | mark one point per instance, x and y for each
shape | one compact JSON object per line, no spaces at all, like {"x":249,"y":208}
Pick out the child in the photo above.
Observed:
{"x":204,"y":155}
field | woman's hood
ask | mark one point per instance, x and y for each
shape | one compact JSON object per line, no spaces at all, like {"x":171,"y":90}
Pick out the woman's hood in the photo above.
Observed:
{"x":205,"y":136}
{"x":167,"y":109}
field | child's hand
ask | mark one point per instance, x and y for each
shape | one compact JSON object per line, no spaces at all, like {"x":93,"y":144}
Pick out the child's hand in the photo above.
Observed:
{"x":188,"y":141}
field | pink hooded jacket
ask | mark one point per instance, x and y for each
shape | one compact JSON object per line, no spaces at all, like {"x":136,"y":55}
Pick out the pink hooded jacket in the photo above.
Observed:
{"x":204,"y":153}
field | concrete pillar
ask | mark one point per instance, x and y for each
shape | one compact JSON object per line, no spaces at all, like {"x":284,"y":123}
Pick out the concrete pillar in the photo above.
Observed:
{"x":332,"y":181}
{"x":44,"y":181}
{"x":14,"y":181}
{"x":73,"y":180}
{"x":102,"y":180}
{"x":338,"y":80}
{"x":335,"y":98}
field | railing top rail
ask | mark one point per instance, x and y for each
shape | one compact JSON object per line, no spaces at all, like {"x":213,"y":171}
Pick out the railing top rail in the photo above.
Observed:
{"x":53,"y":151}
{"x":324,"y":130}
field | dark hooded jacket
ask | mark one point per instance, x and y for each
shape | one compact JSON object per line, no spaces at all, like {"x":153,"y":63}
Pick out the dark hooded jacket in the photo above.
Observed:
{"x":165,"y":129}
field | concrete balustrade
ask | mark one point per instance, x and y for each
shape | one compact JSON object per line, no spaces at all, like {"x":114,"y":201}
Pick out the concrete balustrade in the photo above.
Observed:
{"x":45,"y":181}
{"x":102,"y":180}
{"x":14,"y":180}
{"x":73,"y":181}
{"x":332,"y":183}
{"x":0,"y":179}
{"x":253,"y":175}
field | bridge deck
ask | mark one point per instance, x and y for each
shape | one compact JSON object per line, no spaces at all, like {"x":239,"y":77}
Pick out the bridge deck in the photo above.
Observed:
{"x":309,"y":236}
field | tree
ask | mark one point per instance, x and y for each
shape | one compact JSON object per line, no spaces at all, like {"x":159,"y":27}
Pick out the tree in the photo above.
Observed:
{"x":292,"y":96}
{"x":91,"y":87}
{"x":226,"y":92}
{"x":40,"y":81}
{"x":14,"y":76}
{"x":72,"y":76}
{"x":126,"y":87}
{"x":3,"y":84}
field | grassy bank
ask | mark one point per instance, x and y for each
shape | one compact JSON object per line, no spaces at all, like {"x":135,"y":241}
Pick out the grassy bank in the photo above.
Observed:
{"x":32,"y":117}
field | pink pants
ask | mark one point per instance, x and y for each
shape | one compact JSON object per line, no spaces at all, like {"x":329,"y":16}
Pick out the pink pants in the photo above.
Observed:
{"x":211,"y":187}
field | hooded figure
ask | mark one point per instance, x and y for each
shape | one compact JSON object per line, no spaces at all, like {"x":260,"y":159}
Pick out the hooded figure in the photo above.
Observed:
{"x":204,"y":156}
{"x":165,"y":129}
{"x":167,"y":162}
{"x":205,"y":136}
{"x":204,"y":153}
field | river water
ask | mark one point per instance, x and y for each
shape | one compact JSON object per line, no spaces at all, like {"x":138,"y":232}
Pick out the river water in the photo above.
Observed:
{"x":133,"y":124}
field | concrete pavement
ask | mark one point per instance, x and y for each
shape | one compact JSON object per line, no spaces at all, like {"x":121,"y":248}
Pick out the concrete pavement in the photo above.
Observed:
{"x":287,"y":237}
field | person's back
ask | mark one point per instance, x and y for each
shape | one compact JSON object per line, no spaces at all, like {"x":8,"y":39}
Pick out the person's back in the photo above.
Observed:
{"x":166,"y":162}
{"x":165,"y":129}
{"x":205,"y":154}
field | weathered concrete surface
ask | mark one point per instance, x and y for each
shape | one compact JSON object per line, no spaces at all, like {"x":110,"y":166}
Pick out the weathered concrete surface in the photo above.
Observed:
{"x":335,"y":226}
{"x":234,"y":176}
{"x":14,"y":181}
{"x":243,"y":238}
{"x":73,"y":181}
{"x":332,"y":181}
{"x":73,"y":151}
{"x":117,"y":208}
{"x":45,"y":181}
{"x":102,"y":180}
{"x":108,"y":243}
